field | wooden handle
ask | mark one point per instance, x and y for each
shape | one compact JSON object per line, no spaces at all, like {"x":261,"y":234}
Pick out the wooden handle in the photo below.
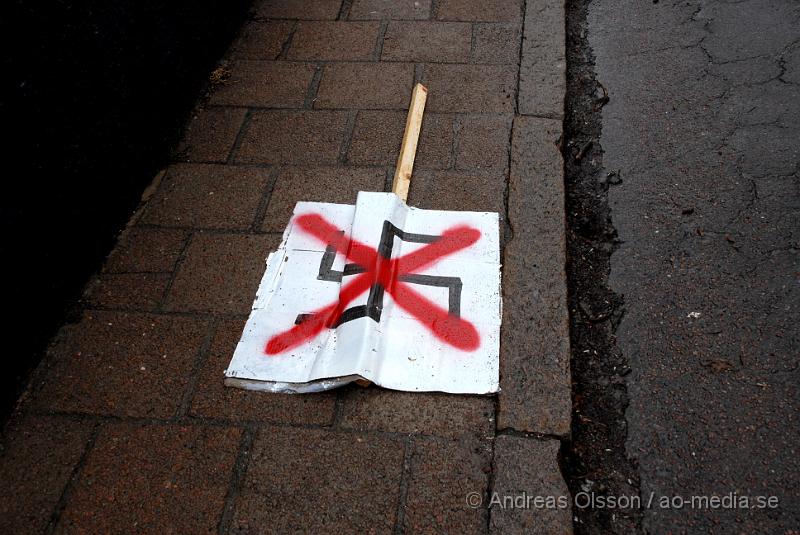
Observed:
{"x":408,"y":150}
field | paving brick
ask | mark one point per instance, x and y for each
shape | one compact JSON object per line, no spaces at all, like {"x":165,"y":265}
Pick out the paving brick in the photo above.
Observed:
{"x":262,"y":39}
{"x":427,"y":413}
{"x":543,"y":82}
{"x":38,"y":456}
{"x":122,"y":364}
{"x":286,"y":137}
{"x":454,"y":190}
{"x":211,"y":135}
{"x":483,"y":142}
{"x":267,"y":84}
{"x":334,"y":41}
{"x":434,"y":150}
{"x":444,"y":42}
{"x":528,"y":467}
{"x":317,"y":184}
{"x":470,"y":88}
{"x":378,"y":134}
{"x":144,"y":250}
{"x":480,"y":10}
{"x":153,"y":479}
{"x":365,"y":86}
{"x":220,"y":273}
{"x":319,"y":481}
{"x":443,"y":473}
{"x":299,"y":9}
{"x":208,"y":196}
{"x":534,"y":361}
{"x":213,"y":399}
{"x":496,"y":43}
{"x":395,"y":9}
{"x":137,"y":291}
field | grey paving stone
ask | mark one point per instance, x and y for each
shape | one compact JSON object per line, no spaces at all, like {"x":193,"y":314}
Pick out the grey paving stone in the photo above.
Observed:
{"x":534,"y":360}
{"x":542,"y":73}
{"x":526,"y":471}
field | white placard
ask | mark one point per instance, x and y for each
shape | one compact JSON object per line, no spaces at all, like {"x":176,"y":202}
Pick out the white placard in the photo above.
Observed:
{"x":406,"y":298}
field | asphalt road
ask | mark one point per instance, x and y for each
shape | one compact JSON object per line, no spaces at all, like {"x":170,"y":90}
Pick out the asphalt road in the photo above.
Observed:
{"x":703,"y":127}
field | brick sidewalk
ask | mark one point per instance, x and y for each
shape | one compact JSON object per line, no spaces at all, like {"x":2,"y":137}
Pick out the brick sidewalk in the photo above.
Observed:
{"x":127,"y":426}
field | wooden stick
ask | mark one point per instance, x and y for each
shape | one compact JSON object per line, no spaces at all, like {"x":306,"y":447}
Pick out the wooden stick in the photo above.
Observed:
{"x":408,"y":150}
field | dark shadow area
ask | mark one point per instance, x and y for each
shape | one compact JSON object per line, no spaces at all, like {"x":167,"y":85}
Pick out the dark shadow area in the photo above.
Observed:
{"x":94,"y":98}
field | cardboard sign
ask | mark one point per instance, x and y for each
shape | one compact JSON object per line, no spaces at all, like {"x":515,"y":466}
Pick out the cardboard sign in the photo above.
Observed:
{"x":406,"y":298}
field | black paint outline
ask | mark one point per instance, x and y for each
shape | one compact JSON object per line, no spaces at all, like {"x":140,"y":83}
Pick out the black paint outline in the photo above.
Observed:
{"x":374,"y":305}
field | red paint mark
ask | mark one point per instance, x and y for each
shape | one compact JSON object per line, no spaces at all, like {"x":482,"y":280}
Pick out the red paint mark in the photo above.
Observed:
{"x":453,"y":330}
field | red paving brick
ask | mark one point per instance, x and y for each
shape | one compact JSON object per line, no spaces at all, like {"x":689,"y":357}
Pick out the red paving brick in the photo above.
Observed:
{"x":153,"y":479}
{"x":38,"y":456}
{"x":496,"y":43}
{"x":266,"y":84}
{"x":406,"y":412}
{"x":293,"y":137}
{"x":394,"y":9}
{"x":378,"y":134}
{"x":213,"y":399}
{"x":317,"y":184}
{"x":365,"y":86}
{"x":444,"y":42}
{"x":483,"y":142}
{"x":210,"y":135}
{"x":262,"y":39}
{"x":208,"y":196}
{"x":122,"y":364}
{"x":480,"y":10}
{"x":458,"y":190}
{"x":146,"y":250}
{"x":298,"y":9}
{"x":220,"y":273}
{"x":334,"y":41}
{"x":132,"y":291}
{"x":470,"y":88}
{"x":319,"y":481}
{"x":442,"y":474}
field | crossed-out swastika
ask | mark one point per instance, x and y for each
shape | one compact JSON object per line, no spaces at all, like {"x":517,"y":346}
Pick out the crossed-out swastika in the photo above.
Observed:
{"x":376,"y":271}
{"x":374,"y":305}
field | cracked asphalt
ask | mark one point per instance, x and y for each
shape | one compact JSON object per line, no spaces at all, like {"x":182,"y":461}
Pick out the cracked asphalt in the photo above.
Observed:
{"x":702,"y":128}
